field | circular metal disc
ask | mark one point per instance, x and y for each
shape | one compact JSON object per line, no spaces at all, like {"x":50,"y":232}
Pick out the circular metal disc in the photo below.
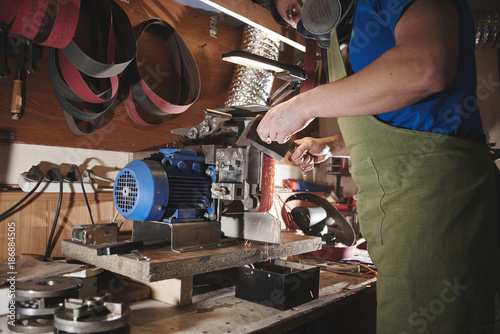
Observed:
{"x":48,"y":287}
{"x":35,"y":312}
{"x":63,"y":321}
{"x":321,"y":16}
{"x":40,"y":325}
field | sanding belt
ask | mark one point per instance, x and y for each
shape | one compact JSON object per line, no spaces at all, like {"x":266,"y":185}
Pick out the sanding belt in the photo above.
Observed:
{"x":77,"y":78}
{"x":46,"y":22}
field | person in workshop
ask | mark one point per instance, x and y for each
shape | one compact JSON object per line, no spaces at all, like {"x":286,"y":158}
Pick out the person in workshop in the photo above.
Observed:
{"x":427,"y":202}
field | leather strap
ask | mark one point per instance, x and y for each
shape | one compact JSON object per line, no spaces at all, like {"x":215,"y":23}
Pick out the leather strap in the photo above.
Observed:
{"x":183,"y":63}
{"x":350,"y":236}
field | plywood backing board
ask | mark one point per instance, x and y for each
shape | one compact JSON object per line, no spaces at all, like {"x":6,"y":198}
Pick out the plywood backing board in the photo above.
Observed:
{"x":165,"y":264}
{"x":43,"y":122}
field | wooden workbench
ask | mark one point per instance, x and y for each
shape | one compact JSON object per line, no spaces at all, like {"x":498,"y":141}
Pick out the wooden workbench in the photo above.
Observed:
{"x":165,"y":264}
{"x":221,"y":312}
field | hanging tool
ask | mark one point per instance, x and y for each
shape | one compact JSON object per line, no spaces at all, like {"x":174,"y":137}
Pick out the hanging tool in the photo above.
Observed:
{"x":4,"y":69}
{"x":30,"y":58}
{"x":17,"y":104}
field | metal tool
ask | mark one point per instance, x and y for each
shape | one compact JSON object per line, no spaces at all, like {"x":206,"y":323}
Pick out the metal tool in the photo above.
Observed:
{"x":36,"y":302}
{"x":274,"y":149}
{"x":95,"y":234}
{"x":30,"y":58}
{"x":92,"y":315}
{"x":17,"y":103}
{"x":139,"y":256}
{"x":4,"y":69}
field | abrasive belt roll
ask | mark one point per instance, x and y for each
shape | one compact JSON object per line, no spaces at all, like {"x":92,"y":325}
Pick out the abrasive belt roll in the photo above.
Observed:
{"x":86,"y":83}
{"x":46,"y":22}
{"x":86,"y":71}
{"x":185,"y":79}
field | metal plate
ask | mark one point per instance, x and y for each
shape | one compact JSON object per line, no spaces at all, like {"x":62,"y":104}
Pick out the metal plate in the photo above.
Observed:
{"x":256,"y":226}
{"x":195,"y":236}
{"x":40,"y":325}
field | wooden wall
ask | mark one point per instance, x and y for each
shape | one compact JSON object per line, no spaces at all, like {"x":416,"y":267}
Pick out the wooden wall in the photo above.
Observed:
{"x":34,"y":219}
{"x":44,"y":124}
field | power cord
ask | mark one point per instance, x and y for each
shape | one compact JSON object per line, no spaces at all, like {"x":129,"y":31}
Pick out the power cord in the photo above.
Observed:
{"x":71,"y":176}
{"x":54,"y":174}
{"x":34,"y":174}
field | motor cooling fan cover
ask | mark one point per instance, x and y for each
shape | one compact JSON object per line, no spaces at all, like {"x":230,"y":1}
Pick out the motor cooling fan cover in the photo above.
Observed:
{"x":141,"y":191}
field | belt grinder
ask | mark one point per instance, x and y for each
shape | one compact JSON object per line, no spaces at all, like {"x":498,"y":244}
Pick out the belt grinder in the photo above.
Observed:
{"x":217,"y":184}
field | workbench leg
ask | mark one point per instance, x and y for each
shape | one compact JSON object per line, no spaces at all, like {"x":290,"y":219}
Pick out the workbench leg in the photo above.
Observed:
{"x":175,"y":291}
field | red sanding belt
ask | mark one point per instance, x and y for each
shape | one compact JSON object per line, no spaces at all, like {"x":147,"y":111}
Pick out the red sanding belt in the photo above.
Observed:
{"x":309,"y":65}
{"x":75,"y":81}
{"x":64,"y":26}
{"x":140,"y":94}
{"x":9,"y":10}
{"x":267,"y":194}
{"x":46,"y":22}
{"x":73,"y":73}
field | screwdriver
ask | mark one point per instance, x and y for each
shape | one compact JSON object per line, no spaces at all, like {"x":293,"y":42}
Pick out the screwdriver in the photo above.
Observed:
{"x":17,"y":92}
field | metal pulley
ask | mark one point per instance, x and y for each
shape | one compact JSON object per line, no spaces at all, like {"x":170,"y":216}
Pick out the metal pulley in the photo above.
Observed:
{"x":92,"y":315}
{"x":36,"y":302}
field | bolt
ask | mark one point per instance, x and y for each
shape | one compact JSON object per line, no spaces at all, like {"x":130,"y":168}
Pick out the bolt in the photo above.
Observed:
{"x":192,"y":133}
{"x":196,"y":167}
{"x":181,"y":165}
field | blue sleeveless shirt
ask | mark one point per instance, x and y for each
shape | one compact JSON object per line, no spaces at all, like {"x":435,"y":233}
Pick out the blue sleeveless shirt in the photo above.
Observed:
{"x":453,"y":111}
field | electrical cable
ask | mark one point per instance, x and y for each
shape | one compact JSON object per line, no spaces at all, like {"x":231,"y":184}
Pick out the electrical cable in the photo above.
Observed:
{"x":34,"y":171}
{"x":75,"y":167}
{"x":54,"y":175}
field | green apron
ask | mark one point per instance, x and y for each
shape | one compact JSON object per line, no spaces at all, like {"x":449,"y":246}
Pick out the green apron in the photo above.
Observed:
{"x":427,"y":208}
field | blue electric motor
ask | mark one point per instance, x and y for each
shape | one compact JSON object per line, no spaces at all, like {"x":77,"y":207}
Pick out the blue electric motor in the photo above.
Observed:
{"x":170,"y":186}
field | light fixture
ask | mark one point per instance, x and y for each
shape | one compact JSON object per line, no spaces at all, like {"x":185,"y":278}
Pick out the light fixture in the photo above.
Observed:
{"x":292,"y":74}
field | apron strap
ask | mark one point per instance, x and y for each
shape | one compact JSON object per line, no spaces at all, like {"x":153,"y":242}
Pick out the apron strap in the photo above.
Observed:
{"x":336,"y":67}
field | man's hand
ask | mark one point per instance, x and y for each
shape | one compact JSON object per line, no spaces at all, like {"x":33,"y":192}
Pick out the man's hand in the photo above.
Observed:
{"x":313,"y":151}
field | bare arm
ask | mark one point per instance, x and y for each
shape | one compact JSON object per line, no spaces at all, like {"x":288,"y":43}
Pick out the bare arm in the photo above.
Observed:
{"x":423,"y":62}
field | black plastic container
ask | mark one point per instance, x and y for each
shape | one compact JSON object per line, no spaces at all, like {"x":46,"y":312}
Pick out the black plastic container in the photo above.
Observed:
{"x":278,"y":284}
